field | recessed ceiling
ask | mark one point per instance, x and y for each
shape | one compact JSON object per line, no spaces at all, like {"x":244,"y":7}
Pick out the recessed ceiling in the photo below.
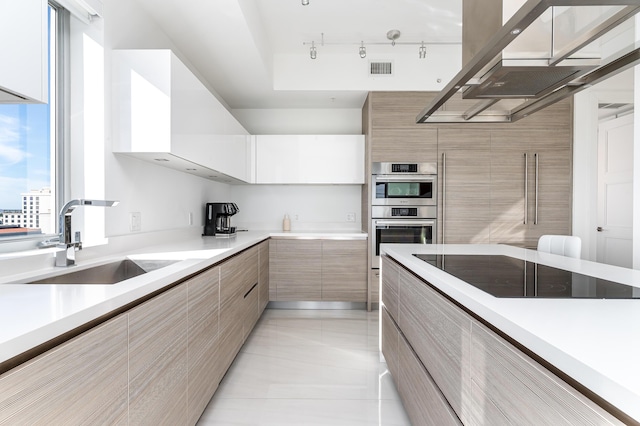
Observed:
{"x":253,"y":52}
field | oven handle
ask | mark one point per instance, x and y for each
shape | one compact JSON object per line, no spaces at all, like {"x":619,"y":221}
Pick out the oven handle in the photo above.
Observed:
{"x":421,"y":178}
{"x":400,"y":222}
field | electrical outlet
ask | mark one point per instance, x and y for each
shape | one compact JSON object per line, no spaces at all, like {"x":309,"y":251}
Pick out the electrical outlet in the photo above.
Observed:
{"x":135,"y":221}
{"x":295,"y":217}
{"x":351,"y":217}
{"x":190,"y":218}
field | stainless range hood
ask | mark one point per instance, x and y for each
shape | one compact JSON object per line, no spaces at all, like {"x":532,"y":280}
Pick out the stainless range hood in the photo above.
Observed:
{"x":546,"y":51}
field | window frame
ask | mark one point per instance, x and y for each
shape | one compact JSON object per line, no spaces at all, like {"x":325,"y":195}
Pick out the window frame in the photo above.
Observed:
{"x":59,"y":89}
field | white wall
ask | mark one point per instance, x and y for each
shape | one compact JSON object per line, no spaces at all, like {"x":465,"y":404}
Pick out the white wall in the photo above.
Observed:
{"x":163,"y":197}
{"x":317,"y":207}
{"x":338,"y":121}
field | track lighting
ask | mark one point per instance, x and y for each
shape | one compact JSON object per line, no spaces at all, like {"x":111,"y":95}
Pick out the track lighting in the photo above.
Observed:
{"x":392,"y":36}
{"x":312,"y":52}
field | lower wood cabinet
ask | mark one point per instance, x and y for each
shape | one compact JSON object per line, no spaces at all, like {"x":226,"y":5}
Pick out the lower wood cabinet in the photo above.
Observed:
{"x":439,"y":333}
{"x":204,"y":374}
{"x":82,"y":381}
{"x":450,"y":368}
{"x":318,"y":270}
{"x":158,"y":359}
{"x":263,"y":275}
{"x":511,"y":388}
{"x":158,"y":363}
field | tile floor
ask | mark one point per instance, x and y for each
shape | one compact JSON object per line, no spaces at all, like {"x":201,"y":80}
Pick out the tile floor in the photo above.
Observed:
{"x":308,"y":367}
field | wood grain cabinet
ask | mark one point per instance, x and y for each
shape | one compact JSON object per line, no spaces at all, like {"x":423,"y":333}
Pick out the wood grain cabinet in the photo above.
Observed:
{"x":158,"y":363}
{"x":203,"y":311}
{"x":506,"y":183}
{"x":450,"y":368}
{"x":392,"y":130}
{"x":318,"y":270}
{"x":511,"y":388}
{"x":263,"y":274}
{"x":389,"y":285}
{"x":465,"y":186}
{"x":439,"y":334}
{"x":344,"y":270}
{"x":158,"y":359}
{"x":82,"y":381}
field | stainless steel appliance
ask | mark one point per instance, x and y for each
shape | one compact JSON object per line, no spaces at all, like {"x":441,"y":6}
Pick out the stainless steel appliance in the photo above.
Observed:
{"x":218,"y":219}
{"x":401,"y":225}
{"x":400,"y":184}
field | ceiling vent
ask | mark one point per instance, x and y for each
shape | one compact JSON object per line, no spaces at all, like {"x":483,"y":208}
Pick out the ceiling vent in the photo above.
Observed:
{"x":380,"y":68}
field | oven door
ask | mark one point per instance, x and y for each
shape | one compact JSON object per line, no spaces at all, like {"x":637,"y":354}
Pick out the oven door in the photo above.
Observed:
{"x":404,"y":190}
{"x":400,"y":231}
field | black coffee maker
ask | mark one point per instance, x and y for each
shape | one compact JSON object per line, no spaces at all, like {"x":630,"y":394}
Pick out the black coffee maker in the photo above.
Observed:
{"x":217,"y":219}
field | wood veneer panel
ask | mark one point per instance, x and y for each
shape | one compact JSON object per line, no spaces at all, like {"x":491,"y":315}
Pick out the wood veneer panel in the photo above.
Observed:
{"x":83,"y":381}
{"x":296,"y":270}
{"x":263,"y":275}
{"x":273,"y":290}
{"x":522,"y":390}
{"x":423,"y":401}
{"x":158,"y":359}
{"x":418,"y":144}
{"x":389,"y":284}
{"x":203,"y":306}
{"x":344,"y":270}
{"x":467,"y":213}
{"x":439,"y":333}
{"x":389,"y":344}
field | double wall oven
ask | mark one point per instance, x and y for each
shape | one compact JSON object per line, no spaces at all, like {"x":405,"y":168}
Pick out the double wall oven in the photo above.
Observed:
{"x":403,"y":205}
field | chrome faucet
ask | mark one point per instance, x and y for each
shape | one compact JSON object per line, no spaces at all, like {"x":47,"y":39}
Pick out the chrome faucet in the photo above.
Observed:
{"x":67,"y":257}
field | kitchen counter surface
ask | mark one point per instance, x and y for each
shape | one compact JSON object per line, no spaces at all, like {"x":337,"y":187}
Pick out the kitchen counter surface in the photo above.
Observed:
{"x":32,"y":314}
{"x":596,"y":342}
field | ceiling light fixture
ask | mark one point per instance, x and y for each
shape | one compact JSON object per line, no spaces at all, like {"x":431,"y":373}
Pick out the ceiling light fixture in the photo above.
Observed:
{"x":313,"y":52}
{"x":305,"y":2}
{"x":392,"y":35}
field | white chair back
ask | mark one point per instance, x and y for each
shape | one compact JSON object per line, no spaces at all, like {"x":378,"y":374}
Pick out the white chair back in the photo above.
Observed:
{"x":565,"y":245}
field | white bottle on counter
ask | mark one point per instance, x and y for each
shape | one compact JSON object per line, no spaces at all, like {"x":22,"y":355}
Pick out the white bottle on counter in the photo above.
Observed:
{"x":286,"y":223}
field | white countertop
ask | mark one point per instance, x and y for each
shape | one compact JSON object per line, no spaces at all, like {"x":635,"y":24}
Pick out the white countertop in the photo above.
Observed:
{"x":594,"y":341}
{"x":31,"y":314}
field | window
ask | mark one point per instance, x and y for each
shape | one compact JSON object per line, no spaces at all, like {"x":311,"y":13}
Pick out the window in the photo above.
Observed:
{"x":29,"y":147}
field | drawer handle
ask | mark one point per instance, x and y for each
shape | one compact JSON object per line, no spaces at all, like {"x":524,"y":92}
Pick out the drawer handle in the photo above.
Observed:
{"x":250,"y":290}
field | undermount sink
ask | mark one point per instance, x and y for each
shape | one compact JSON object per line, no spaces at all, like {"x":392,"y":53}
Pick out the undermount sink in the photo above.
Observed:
{"x":109,"y":273}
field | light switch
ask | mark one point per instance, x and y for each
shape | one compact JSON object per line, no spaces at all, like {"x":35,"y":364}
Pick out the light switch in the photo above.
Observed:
{"x":135,"y":221}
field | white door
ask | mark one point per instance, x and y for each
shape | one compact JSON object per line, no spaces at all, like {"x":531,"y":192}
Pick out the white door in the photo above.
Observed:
{"x":614,"y":242}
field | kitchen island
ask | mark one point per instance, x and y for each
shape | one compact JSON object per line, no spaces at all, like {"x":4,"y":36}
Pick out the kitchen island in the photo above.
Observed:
{"x":592,"y":343}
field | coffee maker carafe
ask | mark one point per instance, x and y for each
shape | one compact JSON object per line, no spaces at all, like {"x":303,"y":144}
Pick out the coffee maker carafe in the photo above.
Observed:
{"x":217,"y":220}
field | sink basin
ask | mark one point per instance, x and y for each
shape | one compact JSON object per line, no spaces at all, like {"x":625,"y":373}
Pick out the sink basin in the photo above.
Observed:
{"x":109,"y":273}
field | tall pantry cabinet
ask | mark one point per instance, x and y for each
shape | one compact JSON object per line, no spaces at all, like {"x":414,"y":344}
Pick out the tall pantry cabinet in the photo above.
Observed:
{"x":497,"y":182}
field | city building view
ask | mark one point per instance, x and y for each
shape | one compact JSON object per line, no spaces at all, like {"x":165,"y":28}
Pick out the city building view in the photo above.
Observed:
{"x":35,"y":216}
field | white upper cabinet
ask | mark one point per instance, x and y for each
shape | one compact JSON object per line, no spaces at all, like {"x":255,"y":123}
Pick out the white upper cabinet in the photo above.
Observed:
{"x":310,"y":159}
{"x":23,"y":49}
{"x":164,"y":114}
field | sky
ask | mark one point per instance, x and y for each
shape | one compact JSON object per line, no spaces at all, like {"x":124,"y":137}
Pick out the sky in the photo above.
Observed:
{"x":24,"y":152}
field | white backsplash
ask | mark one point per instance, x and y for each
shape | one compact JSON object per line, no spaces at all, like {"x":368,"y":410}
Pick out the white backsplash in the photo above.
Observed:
{"x":310,"y":207}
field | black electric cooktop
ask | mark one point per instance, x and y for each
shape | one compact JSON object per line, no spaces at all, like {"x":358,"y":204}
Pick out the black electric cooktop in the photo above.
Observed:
{"x":504,"y":276}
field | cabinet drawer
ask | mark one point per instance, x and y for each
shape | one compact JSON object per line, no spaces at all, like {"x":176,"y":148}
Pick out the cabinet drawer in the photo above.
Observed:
{"x":522,"y":390}
{"x":83,"y":381}
{"x":389,"y":342}
{"x":439,"y":333}
{"x":423,"y":401}
{"x":389,"y":286}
